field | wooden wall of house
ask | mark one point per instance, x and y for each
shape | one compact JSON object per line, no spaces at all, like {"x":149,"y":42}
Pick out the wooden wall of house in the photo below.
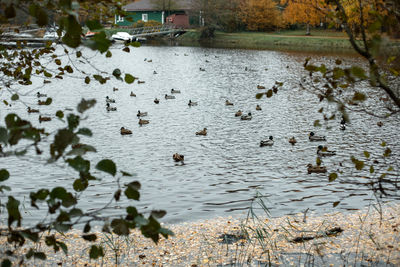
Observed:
{"x":137,"y":15}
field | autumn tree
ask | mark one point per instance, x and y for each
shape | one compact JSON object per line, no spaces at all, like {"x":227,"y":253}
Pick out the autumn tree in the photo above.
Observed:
{"x":260,"y":15}
{"x":309,"y":12}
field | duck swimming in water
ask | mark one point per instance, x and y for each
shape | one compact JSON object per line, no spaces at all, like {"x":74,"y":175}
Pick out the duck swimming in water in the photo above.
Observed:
{"x":202,"y":132}
{"x":313,"y":137}
{"x":268,"y":142}
{"x":246,"y":117}
{"x":109,"y":108}
{"x":227,"y":103}
{"x":156,"y":100}
{"x":316,"y":169}
{"x":109,"y":100}
{"x":141,"y":114}
{"x":292,"y":140}
{"x":191,"y":103}
{"x":173,"y":91}
{"x":125,"y":131}
{"x":169,"y":96}
{"x":178,"y":157}
{"x":238,"y":113}
{"x":324,"y":152}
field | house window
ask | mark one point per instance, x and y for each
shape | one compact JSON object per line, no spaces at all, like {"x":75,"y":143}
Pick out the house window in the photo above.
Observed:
{"x":145,"y":18}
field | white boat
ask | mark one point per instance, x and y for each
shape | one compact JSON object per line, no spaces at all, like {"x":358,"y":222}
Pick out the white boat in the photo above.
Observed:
{"x":121,"y":37}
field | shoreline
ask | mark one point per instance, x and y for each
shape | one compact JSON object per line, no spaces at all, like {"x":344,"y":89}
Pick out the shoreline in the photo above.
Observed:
{"x":370,"y":236}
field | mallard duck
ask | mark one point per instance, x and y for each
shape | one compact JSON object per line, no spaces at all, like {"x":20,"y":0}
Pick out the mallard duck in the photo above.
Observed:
{"x":292,"y":140}
{"x":140,"y":81}
{"x":173,"y":91}
{"x":109,"y":108}
{"x":202,"y":69}
{"x":169,"y":96}
{"x":30,"y":110}
{"x":41,"y":102}
{"x":141,"y":114}
{"x":178,"y":157}
{"x":141,"y":122}
{"x":202,"y":132}
{"x":258,"y":107}
{"x":115,"y":89}
{"x":238,"y":113}
{"x":150,"y":60}
{"x":156,"y":100}
{"x":316,"y":169}
{"x":44,"y":118}
{"x":246,"y":117}
{"x":268,"y":142}
{"x":227,"y":103}
{"x":109,"y":100}
{"x":379,"y":123}
{"x":125,"y":131}
{"x":260,"y":87}
{"x":132,"y":94}
{"x":323,"y":151}
{"x":191,"y":103}
{"x":38,"y":94}
{"x":313,"y":137}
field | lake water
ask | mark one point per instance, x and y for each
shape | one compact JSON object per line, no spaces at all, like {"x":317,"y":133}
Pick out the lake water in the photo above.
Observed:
{"x":224,"y":170}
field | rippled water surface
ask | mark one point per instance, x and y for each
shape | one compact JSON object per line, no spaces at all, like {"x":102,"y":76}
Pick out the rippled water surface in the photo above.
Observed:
{"x":224,"y":170}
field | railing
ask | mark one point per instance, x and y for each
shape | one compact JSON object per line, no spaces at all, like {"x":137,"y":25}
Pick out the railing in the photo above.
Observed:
{"x":163,"y":29}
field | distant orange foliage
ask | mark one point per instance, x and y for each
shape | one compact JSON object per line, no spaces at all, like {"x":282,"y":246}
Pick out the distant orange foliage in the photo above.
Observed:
{"x":260,"y":15}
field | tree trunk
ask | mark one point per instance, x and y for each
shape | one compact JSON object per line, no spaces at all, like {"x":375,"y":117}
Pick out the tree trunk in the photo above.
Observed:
{"x":308,"y":29}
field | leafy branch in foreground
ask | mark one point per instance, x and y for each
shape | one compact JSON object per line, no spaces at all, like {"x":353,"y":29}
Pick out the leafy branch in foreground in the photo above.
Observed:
{"x":61,"y":207}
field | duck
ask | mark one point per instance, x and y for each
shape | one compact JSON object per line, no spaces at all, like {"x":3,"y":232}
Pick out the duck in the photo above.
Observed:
{"x":379,"y":123}
{"x":169,"y":96}
{"x":109,"y":100}
{"x":38,"y":94}
{"x":30,"y":110}
{"x":140,"y":81}
{"x":191,"y":103}
{"x":44,"y":118}
{"x":342,"y":127}
{"x":132,"y":94}
{"x":227,"y":103}
{"x":173,"y":91}
{"x":202,"y":69}
{"x":141,"y":122}
{"x":156,"y":100}
{"x":109,"y":108}
{"x":258,"y":107}
{"x":154,"y":72}
{"x":343,"y":124}
{"x":316,"y":169}
{"x":115,"y":89}
{"x":246,"y":117}
{"x":150,"y":60}
{"x":41,"y":102}
{"x":260,"y":87}
{"x":313,"y":137}
{"x":125,"y":131}
{"x":202,"y":132}
{"x":323,"y":151}
{"x":292,"y":140}
{"x":238,"y":113}
{"x":268,"y":142}
{"x":178,"y":157}
{"x":141,"y":114}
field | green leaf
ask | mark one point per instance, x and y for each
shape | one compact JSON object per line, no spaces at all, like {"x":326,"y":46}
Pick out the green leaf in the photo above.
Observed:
{"x":335,"y":203}
{"x":359,"y":165}
{"x":73,"y":33}
{"x":60,"y":114}
{"x":108,"y":54}
{"x":80,"y":185}
{"x":87,"y":80}
{"x":107,"y":166}
{"x":387,"y":152}
{"x":116,"y":73}
{"x":85,"y":105}
{"x":39,"y":255}
{"x":366,"y":154}
{"x":358,"y":72}
{"x":13,"y":211}
{"x":132,"y":193}
{"x":125,"y":173}
{"x":3,"y":135}
{"x":91,"y":237}
{"x":318,"y":161}
{"x":4,"y":175}
{"x":317,"y":124}
{"x":135,"y":44}
{"x":94,"y":25}
{"x":332,"y":177}
{"x":359,"y":96}
{"x":383,"y":144}
{"x":14,"y":97}
{"x":120,"y":227}
{"x":259,"y":95}
{"x":158,"y":214}
{"x":371,"y":169}
{"x":85,"y":131}
{"x":129,"y":78}
{"x":79,"y":164}
{"x":99,"y":42}
{"x":6,"y":263}
{"x":269,"y":93}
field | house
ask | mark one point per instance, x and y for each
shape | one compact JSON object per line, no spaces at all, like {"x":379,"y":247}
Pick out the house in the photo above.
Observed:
{"x":158,"y":10}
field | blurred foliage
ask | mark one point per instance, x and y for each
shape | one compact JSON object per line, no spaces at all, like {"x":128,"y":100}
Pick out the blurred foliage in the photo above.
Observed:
{"x":150,"y":23}
{"x":18,"y":136}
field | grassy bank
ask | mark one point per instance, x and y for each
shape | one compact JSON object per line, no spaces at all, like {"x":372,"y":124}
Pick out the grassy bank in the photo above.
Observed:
{"x":285,"y":40}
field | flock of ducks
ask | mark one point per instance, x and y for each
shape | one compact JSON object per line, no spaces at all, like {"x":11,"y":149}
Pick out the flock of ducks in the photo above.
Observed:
{"x":40,"y":102}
